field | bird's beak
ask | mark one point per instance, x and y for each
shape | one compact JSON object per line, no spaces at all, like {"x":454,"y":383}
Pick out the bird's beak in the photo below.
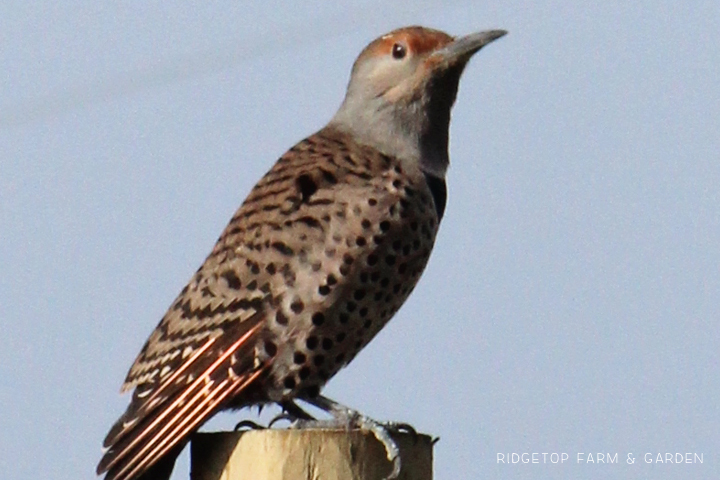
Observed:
{"x":459,"y":51}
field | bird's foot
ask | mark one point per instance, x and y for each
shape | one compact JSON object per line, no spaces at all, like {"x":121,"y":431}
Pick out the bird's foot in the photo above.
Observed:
{"x":348,"y":419}
{"x":291,"y":412}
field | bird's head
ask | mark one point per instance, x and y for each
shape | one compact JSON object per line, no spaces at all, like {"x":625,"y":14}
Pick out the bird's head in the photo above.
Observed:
{"x":401,"y":91}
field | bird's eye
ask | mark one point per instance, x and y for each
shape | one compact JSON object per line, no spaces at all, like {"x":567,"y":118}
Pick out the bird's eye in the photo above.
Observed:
{"x":399,"y":51}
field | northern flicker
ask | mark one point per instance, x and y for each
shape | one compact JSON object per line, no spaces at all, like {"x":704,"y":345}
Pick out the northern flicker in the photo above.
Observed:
{"x":322,"y":253}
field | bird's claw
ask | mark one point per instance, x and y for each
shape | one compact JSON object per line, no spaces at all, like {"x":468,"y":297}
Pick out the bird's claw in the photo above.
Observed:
{"x":382,"y":434}
{"x":280,"y":417}
{"x":248,"y":425}
{"x":402,"y":427}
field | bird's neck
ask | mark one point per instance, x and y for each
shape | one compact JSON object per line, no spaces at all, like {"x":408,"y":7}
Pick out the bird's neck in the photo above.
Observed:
{"x":407,"y":133}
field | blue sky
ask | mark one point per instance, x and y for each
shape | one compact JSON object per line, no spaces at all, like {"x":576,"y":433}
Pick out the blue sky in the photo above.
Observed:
{"x":572,"y":300}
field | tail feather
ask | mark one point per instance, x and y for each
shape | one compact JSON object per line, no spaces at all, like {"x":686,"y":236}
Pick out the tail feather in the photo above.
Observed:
{"x":140,"y":409}
{"x":160,"y":424}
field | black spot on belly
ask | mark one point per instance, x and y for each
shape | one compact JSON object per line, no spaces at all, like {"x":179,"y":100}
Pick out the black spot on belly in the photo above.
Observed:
{"x":318,"y":319}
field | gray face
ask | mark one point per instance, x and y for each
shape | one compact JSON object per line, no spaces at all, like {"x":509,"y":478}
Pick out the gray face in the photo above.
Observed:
{"x":401,"y":92}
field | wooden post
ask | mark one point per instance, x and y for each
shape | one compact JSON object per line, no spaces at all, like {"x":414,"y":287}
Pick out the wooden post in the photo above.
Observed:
{"x":305,"y":454}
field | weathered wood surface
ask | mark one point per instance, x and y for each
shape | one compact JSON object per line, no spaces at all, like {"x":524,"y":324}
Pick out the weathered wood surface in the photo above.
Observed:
{"x":310,"y":454}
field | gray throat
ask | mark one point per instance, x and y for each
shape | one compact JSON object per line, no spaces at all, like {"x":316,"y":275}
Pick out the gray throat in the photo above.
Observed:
{"x":413,"y":131}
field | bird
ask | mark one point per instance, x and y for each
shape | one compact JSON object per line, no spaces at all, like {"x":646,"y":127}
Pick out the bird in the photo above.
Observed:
{"x":321,"y":254}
